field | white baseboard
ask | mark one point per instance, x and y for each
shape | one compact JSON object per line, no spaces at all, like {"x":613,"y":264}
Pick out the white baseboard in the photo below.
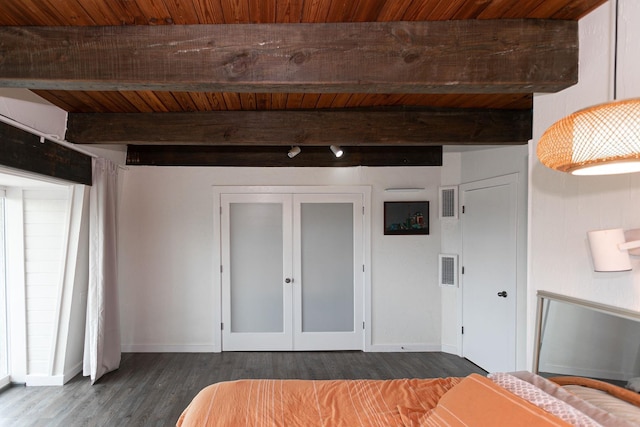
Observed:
{"x":451,"y":349}
{"x":4,"y":382}
{"x":168,"y":348}
{"x":210,"y":348}
{"x":44,"y":380}
{"x":403,"y":347}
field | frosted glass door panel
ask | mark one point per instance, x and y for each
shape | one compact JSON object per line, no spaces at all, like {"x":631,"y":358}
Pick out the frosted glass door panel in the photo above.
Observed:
{"x":256,"y":267}
{"x":327,"y":267}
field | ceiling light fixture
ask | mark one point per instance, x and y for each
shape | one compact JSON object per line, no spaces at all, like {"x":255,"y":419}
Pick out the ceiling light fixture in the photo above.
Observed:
{"x":599,"y":140}
{"x":295,"y":150}
{"x":337,"y":151}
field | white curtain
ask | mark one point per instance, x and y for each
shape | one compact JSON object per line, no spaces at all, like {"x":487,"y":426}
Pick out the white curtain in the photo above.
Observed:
{"x":102,"y":335}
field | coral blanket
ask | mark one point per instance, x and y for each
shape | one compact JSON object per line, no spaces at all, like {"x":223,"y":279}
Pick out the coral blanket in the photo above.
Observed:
{"x":315,"y":403}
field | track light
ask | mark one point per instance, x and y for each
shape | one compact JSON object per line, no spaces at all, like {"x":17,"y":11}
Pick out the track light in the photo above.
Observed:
{"x":295,"y":150}
{"x":337,"y":151}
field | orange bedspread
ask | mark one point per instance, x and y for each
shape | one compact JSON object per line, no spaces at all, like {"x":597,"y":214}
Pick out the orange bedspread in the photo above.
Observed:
{"x":315,"y":403}
{"x":453,"y":402}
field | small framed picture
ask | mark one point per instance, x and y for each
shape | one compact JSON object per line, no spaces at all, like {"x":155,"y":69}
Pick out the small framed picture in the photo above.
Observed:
{"x":405,"y":218}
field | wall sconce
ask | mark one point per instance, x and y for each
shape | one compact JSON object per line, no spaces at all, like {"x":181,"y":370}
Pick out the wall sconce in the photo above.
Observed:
{"x":337,"y":151}
{"x":295,"y":150}
{"x":610,"y":249}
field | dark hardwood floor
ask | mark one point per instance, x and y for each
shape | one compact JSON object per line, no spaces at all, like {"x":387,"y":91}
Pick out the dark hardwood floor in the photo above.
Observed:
{"x":152,"y":389}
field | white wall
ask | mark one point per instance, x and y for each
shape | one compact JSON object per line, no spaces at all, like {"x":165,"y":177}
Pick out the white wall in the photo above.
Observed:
{"x":476,"y":166}
{"x":451,"y":243}
{"x":564,"y":207}
{"x":166,"y":240}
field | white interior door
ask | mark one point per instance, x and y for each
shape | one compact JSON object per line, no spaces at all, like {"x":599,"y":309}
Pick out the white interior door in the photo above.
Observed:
{"x":292,"y":272}
{"x":489,"y":222}
{"x":328,"y":260}
{"x":256,"y":263}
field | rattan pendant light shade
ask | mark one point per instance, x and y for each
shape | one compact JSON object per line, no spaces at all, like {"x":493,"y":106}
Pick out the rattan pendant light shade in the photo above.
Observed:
{"x":599,"y":140}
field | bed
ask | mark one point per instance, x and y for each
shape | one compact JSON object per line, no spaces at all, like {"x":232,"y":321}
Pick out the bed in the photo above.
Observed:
{"x":500,"y":399}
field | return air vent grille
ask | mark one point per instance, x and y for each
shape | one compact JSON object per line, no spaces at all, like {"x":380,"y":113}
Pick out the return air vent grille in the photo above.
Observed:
{"x":448,"y":271}
{"x":448,"y":202}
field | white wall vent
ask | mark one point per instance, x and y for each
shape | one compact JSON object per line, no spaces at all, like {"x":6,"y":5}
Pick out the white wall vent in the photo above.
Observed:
{"x":448,"y":270}
{"x":448,"y":199}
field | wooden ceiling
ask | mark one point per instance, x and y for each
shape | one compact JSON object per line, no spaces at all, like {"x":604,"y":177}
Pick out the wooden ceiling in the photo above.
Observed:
{"x":258,"y":74}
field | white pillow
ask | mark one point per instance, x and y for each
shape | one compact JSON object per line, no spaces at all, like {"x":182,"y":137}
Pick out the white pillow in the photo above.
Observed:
{"x":543,"y":400}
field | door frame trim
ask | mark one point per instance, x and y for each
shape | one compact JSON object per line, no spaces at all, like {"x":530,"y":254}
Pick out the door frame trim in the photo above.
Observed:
{"x":216,"y":264}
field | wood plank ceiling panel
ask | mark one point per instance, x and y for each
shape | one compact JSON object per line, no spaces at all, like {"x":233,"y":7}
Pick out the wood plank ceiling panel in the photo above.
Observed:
{"x":88,"y":102}
{"x":472,"y":10}
{"x":209,"y":11}
{"x":393,"y":11}
{"x":444,"y":10}
{"x":368,"y":11}
{"x":288,"y":11}
{"x":156,"y":12}
{"x":313,"y":12}
{"x":180,"y":12}
{"x":537,"y":9}
{"x":575,"y":9}
{"x":30,"y":12}
{"x":114,"y":13}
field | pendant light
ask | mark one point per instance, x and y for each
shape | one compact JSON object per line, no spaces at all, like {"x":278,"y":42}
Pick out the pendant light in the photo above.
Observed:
{"x":600,"y":140}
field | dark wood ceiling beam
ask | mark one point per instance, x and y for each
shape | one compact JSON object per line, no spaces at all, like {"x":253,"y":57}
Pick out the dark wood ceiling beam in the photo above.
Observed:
{"x":382,"y":126}
{"x":460,"y":56}
{"x":22,"y":150}
{"x":270,"y":156}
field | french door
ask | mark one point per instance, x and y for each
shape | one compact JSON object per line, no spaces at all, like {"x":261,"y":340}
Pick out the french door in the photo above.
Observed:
{"x":292,"y":274}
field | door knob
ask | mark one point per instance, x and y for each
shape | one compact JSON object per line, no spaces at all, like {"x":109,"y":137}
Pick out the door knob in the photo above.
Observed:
{"x":502,"y":294}
{"x":287,"y":280}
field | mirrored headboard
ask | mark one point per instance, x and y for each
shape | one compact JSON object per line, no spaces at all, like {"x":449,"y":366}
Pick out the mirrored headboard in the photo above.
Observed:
{"x":584,"y":338}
